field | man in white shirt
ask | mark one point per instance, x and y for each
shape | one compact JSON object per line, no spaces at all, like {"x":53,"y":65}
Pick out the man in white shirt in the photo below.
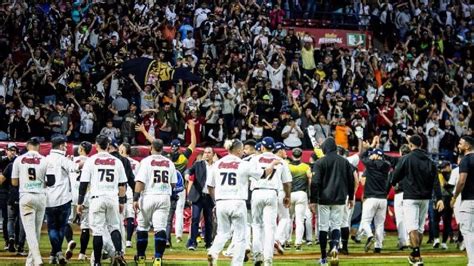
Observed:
{"x":228,"y":185}
{"x":154,"y":182}
{"x":28,"y":173}
{"x":107,"y":179}
{"x":58,"y":197}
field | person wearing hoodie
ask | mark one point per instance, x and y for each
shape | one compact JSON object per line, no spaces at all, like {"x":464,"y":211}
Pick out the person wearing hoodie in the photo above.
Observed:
{"x":419,"y":176}
{"x":332,"y":183}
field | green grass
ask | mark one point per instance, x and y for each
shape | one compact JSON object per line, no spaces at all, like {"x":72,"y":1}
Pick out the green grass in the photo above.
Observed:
{"x":179,"y":255}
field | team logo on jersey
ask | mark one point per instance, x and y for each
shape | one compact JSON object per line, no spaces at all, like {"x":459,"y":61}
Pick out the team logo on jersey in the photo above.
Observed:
{"x":265,"y":160}
{"x":30,"y":160}
{"x":162,"y":163}
{"x":230,"y":165}
{"x":104,"y":161}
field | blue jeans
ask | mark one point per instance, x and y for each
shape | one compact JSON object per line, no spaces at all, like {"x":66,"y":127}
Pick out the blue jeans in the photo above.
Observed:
{"x":204,"y":204}
{"x":57,"y":218}
{"x":15,"y":226}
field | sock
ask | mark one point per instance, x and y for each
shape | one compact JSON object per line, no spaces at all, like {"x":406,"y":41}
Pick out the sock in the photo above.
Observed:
{"x":344,"y":236}
{"x":116,"y":240}
{"x":335,"y":236}
{"x":323,"y":240}
{"x":84,"y":240}
{"x":97,"y":244}
{"x":68,"y":233}
{"x":130,"y":227}
{"x":160,"y":243}
{"x":142,"y":242}
{"x":415,"y":252}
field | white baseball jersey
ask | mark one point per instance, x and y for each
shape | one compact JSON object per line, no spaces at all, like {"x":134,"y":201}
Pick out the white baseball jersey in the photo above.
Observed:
{"x":30,"y":168}
{"x":75,"y":179}
{"x":135,"y":164}
{"x":230,"y":177}
{"x":104,"y":172}
{"x":157,"y":173}
{"x":281,"y":173}
{"x":354,"y":160}
{"x":59,"y":166}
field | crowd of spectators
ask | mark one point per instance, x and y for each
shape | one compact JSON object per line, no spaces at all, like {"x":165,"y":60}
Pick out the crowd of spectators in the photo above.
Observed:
{"x":61,"y":72}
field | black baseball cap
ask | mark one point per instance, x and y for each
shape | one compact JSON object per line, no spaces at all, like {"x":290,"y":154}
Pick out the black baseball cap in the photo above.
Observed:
{"x":268,"y":143}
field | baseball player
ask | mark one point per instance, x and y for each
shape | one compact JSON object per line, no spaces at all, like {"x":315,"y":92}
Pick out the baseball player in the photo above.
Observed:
{"x":453,"y":180}
{"x":58,"y":197}
{"x":332,"y":184}
{"x":151,"y":200}
{"x":124,"y":150}
{"x":465,"y":188}
{"x":83,"y":150}
{"x":265,"y":203}
{"x":228,"y":185}
{"x":107,"y":179}
{"x":419,"y":177}
{"x":301,"y":176}
{"x":29,"y":171}
{"x":375,"y":198}
{"x":283,"y":232}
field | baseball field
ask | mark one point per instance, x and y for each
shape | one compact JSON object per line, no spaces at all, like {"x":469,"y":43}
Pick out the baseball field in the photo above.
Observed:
{"x":179,"y":255}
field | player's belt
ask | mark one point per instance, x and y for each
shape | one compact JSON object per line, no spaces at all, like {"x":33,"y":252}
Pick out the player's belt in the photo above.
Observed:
{"x":229,"y":199}
{"x":273,"y":189}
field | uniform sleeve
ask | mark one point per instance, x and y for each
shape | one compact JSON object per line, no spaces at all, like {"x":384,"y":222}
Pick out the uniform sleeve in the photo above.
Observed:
{"x":188,"y":152}
{"x":69,"y":165}
{"x":16,"y":170}
{"x":211,"y":182}
{"x":286,"y":174}
{"x":121,"y":172}
{"x":251,"y":170}
{"x":141,"y":174}
{"x":86,"y":173}
{"x":173,"y":177}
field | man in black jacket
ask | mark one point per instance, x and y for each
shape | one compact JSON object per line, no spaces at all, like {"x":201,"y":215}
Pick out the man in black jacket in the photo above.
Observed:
{"x":11,"y":153}
{"x":332,"y":183}
{"x":375,"y":197}
{"x":419,"y":176}
{"x":200,"y":198}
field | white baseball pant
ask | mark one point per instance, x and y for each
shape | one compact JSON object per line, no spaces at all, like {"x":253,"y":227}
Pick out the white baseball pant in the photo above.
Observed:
{"x":264,"y":215}
{"x":466,"y":224}
{"x":32,"y":209}
{"x":403,"y":239}
{"x":347,"y":215}
{"x":414,"y":213}
{"x":84,"y":219}
{"x":299,"y":204}
{"x":375,"y":209}
{"x":104,"y":213}
{"x":230,"y":213}
{"x":154,"y":210}
{"x":248,"y":235}
{"x":283,"y":228}
{"x":179,"y":214}
{"x":308,"y":223}
{"x":330,"y":216}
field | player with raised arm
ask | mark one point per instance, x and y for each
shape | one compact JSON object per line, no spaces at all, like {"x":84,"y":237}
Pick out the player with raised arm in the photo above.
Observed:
{"x":228,"y":185}
{"x":264,"y":202}
{"x":151,"y":200}
{"x":106,"y":176}
{"x":28,"y":173}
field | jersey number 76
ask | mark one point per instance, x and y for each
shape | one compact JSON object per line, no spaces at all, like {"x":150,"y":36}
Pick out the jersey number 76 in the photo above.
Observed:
{"x":230,"y":177}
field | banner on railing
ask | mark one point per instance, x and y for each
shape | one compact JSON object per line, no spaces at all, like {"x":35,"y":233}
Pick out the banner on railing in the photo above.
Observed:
{"x":340,"y":38}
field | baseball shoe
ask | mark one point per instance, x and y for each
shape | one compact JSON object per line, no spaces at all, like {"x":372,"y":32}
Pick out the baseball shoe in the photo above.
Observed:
{"x":11,"y":245}
{"x":246,"y":257}
{"x":140,"y":260}
{"x":61,"y":259}
{"x":323,"y":262}
{"x":192,"y":247}
{"x":128,"y":244}
{"x":334,"y":259}
{"x":278,"y":247}
{"x":298,"y":247}
{"x":368,"y":245}
{"x":462,"y":246}
{"x":168,"y":244}
{"x":211,"y":261}
{"x":355,"y":239}
{"x":198,"y":239}
{"x":227,"y":253}
{"x":179,"y":239}
{"x":309,"y":243}
{"x":157,"y":262}
{"x":21,"y":252}
{"x":70,"y":247}
{"x":118,"y":259}
{"x":258,"y":263}
{"x":53,"y":260}
{"x":377,"y":250}
{"x":436,"y":243}
{"x":444,"y":246}
{"x":97,"y":264}
{"x":417,"y":261}
{"x":344,"y":251}
{"x":430,"y":241}
{"x":82,"y":257}
{"x":258,"y":260}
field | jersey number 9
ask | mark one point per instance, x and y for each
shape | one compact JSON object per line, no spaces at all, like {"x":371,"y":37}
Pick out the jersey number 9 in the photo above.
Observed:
{"x":32,"y":174}
{"x":108,"y":174}
{"x":160,"y":176}
{"x":230,"y":177}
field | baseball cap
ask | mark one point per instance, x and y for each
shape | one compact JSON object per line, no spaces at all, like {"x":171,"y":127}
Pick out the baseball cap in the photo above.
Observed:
{"x":279,"y":146}
{"x":258,"y":145}
{"x":175,"y":143}
{"x":443,"y":164}
{"x":57,"y":141}
{"x":33,"y":141}
{"x":268,"y":142}
{"x":378,"y":152}
{"x":12,"y":146}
